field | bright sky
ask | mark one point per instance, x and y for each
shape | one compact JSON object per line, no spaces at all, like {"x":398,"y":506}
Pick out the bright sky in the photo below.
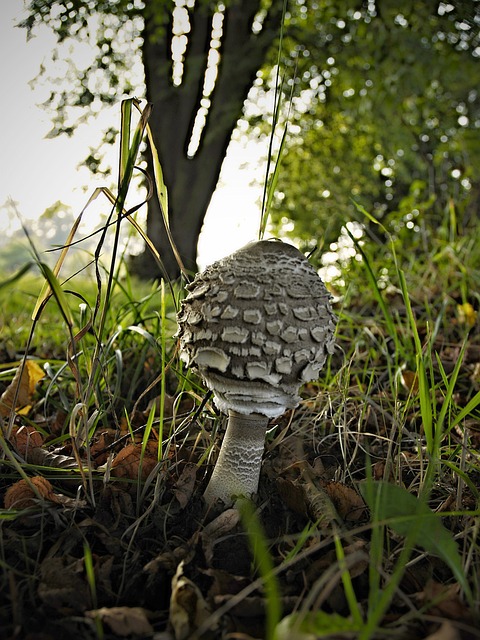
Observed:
{"x":36,"y":172}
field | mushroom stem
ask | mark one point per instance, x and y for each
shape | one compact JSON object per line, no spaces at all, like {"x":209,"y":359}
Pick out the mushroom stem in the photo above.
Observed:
{"x":237,"y":470}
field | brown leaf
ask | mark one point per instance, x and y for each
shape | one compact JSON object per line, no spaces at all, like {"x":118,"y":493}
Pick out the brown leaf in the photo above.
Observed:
{"x":20,"y":391}
{"x":445,"y":601}
{"x":124,"y":621}
{"x":446,"y":632}
{"x":62,"y":584}
{"x":218,"y":528}
{"x":349,"y":504}
{"x":293,"y":496}
{"x":320,"y":505}
{"x":185,"y":484}
{"x":409,"y":380}
{"x":130,"y":462}
{"x":46,"y":458}
{"x":100,"y":447}
{"x":24,"y":493}
{"x":26,"y":438}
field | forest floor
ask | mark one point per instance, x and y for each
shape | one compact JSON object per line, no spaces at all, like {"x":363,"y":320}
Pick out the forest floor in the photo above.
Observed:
{"x":367,"y":517}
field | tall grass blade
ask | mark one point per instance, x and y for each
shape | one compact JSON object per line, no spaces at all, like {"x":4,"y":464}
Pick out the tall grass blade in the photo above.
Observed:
{"x":467,"y":409}
{"x":347,"y":583}
{"x":162,"y":193}
{"x":53,"y":288}
{"x":272,"y":184}
{"x":269,"y":185}
{"x":264,"y":563}
{"x":373,"y":281}
{"x":425,"y":390}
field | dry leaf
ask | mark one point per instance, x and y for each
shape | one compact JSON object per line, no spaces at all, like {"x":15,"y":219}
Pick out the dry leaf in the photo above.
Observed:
{"x":25,"y":381}
{"x":46,"y":458}
{"x":446,"y":632}
{"x":349,"y":504}
{"x":444,"y":601}
{"x":124,"y":621}
{"x":185,"y":484}
{"x":62,"y":584}
{"x":100,"y":447}
{"x":126,"y":463}
{"x":218,"y":528}
{"x":188,"y":608}
{"x":293,"y":495}
{"x":320,"y":505}
{"x":409,"y":380}
{"x":22,"y":494}
{"x":26,"y":438}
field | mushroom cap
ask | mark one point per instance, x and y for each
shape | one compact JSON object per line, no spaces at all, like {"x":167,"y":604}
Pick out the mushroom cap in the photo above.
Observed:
{"x":257,"y":325}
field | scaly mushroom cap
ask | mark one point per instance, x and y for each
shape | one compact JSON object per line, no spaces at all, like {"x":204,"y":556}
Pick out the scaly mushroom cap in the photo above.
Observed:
{"x":257,"y":325}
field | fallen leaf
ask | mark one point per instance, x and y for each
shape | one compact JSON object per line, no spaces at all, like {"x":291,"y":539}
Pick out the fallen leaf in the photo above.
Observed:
{"x":21,"y":389}
{"x":188,"y":608}
{"x":24,"y":493}
{"x":26,"y":438}
{"x":123,"y":621}
{"x":446,"y":632}
{"x":409,"y":380}
{"x":320,"y":505}
{"x":131,"y":463}
{"x":218,"y":528}
{"x":185,"y":484}
{"x":63,"y":585}
{"x":443,"y":600}
{"x":100,"y":447}
{"x":46,"y":458}
{"x":293,"y":495}
{"x":349,"y":504}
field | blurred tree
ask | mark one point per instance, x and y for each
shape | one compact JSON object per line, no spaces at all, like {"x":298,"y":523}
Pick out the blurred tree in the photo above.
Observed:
{"x":199,"y":62}
{"x":381,"y":102}
{"x":385,"y":110}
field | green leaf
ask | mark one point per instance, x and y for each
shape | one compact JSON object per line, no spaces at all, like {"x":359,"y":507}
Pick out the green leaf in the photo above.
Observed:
{"x":412,"y":518}
{"x":52,"y":287}
{"x":313,"y":625}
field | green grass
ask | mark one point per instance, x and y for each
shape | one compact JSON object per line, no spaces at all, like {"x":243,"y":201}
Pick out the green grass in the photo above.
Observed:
{"x":394,"y":419}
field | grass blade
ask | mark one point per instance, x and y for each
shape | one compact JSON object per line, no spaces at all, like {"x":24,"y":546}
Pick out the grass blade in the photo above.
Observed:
{"x":264,"y":563}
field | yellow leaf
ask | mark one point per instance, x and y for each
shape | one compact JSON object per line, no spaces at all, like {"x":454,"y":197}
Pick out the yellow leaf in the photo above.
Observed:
{"x":22,"y":387}
{"x":467,"y":314}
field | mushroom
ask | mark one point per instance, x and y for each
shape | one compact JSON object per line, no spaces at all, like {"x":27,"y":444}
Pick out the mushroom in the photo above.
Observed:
{"x":256,"y":325}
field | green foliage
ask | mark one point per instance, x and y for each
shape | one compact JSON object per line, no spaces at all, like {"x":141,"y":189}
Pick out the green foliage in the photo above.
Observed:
{"x":410,"y":517}
{"x":384,"y":107}
{"x":104,"y":76}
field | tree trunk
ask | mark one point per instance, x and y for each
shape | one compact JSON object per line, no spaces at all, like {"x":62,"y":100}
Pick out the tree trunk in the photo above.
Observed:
{"x":191,"y":181}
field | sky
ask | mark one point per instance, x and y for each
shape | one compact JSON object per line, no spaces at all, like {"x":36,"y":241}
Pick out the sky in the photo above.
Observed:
{"x":36,"y":172}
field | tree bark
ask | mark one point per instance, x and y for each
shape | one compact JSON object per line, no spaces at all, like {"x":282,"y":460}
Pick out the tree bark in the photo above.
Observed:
{"x":191,"y":181}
